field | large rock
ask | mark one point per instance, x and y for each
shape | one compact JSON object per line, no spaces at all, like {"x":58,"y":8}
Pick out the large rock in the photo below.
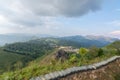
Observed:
{"x":61,"y":55}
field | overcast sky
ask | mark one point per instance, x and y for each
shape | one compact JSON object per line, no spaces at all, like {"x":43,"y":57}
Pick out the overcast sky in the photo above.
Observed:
{"x":60,"y":17}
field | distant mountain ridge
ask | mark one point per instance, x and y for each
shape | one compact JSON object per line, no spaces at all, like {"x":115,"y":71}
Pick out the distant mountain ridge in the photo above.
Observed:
{"x":103,"y":38}
{"x":87,"y":41}
{"x":11,"y":38}
{"x":78,"y":40}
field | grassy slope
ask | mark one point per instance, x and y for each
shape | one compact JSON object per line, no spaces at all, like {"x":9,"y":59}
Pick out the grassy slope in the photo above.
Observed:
{"x":8,"y":59}
{"x":42,"y":66}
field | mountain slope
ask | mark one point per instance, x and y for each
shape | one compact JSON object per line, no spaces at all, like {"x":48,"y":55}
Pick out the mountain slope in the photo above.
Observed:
{"x":18,"y":55}
{"x":83,"y":40}
{"x":8,"y":60}
{"x":38,"y":48}
{"x":11,"y":38}
{"x":102,"y":38}
{"x":87,"y":41}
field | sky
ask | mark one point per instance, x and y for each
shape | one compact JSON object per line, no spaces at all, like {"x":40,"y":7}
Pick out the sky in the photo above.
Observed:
{"x":60,"y":17}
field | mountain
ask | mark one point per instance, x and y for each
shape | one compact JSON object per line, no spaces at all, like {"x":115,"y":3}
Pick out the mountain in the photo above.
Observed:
{"x":18,"y":55}
{"x":102,"y":38}
{"x":26,"y":57}
{"x":38,"y":47}
{"x":87,"y":41}
{"x":115,"y":45}
{"x":78,"y":40}
{"x":54,"y":60}
{"x":11,"y":38}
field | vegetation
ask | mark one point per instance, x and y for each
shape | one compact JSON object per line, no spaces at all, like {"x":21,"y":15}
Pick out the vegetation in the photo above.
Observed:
{"x":17,"y":55}
{"x":117,"y":76}
{"x":33,"y":49}
{"x":115,"y":45}
{"x":83,"y":51}
{"x":8,"y":60}
{"x":49,"y":63}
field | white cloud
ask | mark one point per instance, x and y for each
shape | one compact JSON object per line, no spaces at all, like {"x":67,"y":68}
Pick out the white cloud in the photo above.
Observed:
{"x":39,"y":16}
{"x":3,"y":19}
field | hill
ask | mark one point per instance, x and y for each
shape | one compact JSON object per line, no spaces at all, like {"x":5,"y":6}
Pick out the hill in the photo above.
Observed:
{"x":59,"y":60}
{"x":83,"y":40}
{"x":18,"y":55}
{"x":102,"y":38}
{"x":31,"y":54}
{"x":40,"y":47}
{"x":114,"y":44}
{"x":33,"y":48}
{"x":87,"y":41}
{"x":10,"y":61}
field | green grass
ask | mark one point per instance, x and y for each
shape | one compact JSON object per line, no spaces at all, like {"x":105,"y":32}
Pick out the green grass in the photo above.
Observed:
{"x":47,"y":63}
{"x":7,"y":60}
{"x":37,"y":68}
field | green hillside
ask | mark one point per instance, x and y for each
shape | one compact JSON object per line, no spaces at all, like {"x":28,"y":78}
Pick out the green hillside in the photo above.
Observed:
{"x":18,"y":55}
{"x":49,"y":63}
{"x":8,"y":60}
{"x":47,"y":57}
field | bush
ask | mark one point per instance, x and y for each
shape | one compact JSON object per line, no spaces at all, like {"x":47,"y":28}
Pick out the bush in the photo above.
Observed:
{"x":73,"y":58}
{"x":93,"y":52}
{"x":83,"y":51}
{"x":100,"y":52}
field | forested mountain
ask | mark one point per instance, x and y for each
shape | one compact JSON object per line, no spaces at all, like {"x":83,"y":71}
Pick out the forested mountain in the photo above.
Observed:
{"x":83,"y":40}
{"x":18,"y":55}
{"x":21,"y":53}
{"x":101,"y":38}
{"x":86,"y":41}
{"x":37,"y":46}
{"x":46,"y":51}
{"x":33,"y":48}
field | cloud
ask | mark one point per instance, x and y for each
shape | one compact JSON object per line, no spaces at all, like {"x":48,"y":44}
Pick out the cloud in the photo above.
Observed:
{"x":2,"y":19}
{"x":40,"y":16}
{"x":116,"y":33}
{"x":67,"y":8}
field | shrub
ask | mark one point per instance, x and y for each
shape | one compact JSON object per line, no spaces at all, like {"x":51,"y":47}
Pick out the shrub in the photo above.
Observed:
{"x":93,"y":52}
{"x":100,"y":52}
{"x":83,"y":51}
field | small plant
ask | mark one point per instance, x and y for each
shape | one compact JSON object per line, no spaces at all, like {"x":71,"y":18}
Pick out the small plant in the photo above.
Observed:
{"x":73,"y":58}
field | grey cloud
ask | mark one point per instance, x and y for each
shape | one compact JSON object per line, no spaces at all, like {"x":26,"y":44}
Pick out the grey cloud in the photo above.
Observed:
{"x":29,"y":12}
{"x":41,"y":15}
{"x":69,"y":8}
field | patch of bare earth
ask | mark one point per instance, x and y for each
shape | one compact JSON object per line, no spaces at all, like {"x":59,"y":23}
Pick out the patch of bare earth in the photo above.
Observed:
{"x":107,"y":72}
